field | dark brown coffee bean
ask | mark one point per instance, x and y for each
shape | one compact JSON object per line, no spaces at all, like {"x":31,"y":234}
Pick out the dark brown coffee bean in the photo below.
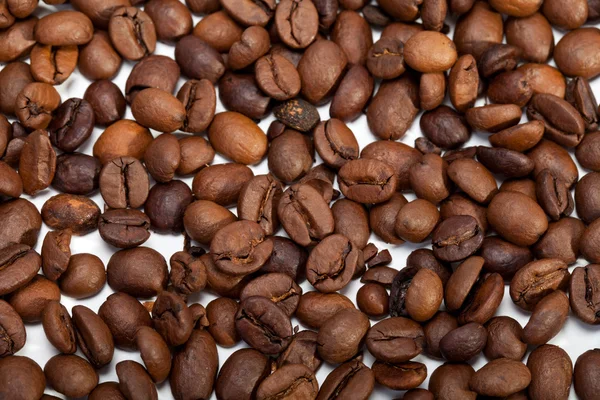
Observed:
{"x":547,"y":154}
{"x":571,"y":17}
{"x":503,"y":257}
{"x":561,"y":240}
{"x":583,"y":293}
{"x":263,"y":325}
{"x":198,"y":60}
{"x":195,"y":367}
{"x":563,"y":122}
{"x":171,"y":19}
{"x":451,"y":380}
{"x":56,"y":253}
{"x":64,"y":28}
{"x":456,"y":238}
{"x":72,"y":124}
{"x":351,"y":220}
{"x":525,"y":186}
{"x":375,"y":16}
{"x":463,"y":343}
{"x":424,"y":258}
{"x":463,"y":83}
{"x":587,"y":152}
{"x":548,"y":317}
{"x":401,"y":376}
{"x":461,"y":282}
{"x":218,"y":30}
{"x":124,"y":315}
{"x":278,"y":287}
{"x":124,"y":183}
{"x":158,"y":110}
{"x":335,"y":143}
{"x":510,"y":88}
{"x":298,"y":114}
{"x":106,"y":100}
{"x":292,"y":14}
{"x":551,"y":372}
{"x":499,"y":58}
{"x":187,"y":274}
{"x":445,"y":128}
{"x":140,"y":272}
{"x":107,"y":390}
{"x":240,"y":93}
{"x":332,"y":263}
{"x":386,"y":58}
{"x":573,"y":50}
{"x":70,"y":375}
{"x":394,"y":108}
{"x":221,"y":183}
{"x":202,"y":219}
{"x":53,"y":65}
{"x":135,"y":382}
{"x":382,"y":218}
{"x":154,"y":71}
{"x":352,"y":379}
{"x":253,"y":44}
{"x":432,"y":89}
{"x":99,"y":59}
{"x":404,"y":11}
{"x":277,"y":77}
{"x":22,"y":375}
{"x":532,"y":35}
{"x":587,"y":207}
{"x":154,"y":352}
{"x":327,"y":60}
{"x":509,"y":163}
{"x":22,"y":223}
{"x":196,"y":153}
{"x":162,"y":157}
{"x":398,"y":155}
{"x":132,"y":32}
{"x":13,"y":78}
{"x":241,"y":374}
{"x":579,"y":95}
{"x":30,"y":300}
{"x":124,"y":228}
{"x":249,"y":13}
{"x":429,"y":178}
{"x":504,"y":339}
{"x":484,"y":299}
{"x":435,"y":330}
{"x":395,"y":340}
{"x":305,"y":215}
{"x":553,"y":195}
{"x":536,"y":280}
{"x":517,"y":218}
{"x":367,"y":181}
{"x":372,"y":298}
{"x":500,"y":377}
{"x":12,"y":330}
{"x":520,"y":137}
{"x":287,"y":257}
{"x":416,"y":220}
{"x":221,"y":315}
{"x":220,"y":283}
{"x":341,"y":336}
{"x":172,"y":318}
{"x":315,"y":308}
{"x":296,"y":380}
{"x":585,"y":374}
{"x":353,"y":93}
{"x":478,"y":30}
{"x":258,"y":201}
{"x":37,"y":163}
{"x":93,"y":336}
{"x":68,"y":211}
{"x":84,"y":277}
{"x":76,"y":174}
{"x":493,"y":117}
{"x":545,"y":79}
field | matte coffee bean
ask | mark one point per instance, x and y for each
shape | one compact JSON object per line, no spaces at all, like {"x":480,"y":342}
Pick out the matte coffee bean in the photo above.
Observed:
{"x":278,"y":287}
{"x":277,"y":77}
{"x":124,"y":138}
{"x":253,"y":44}
{"x":68,"y":211}
{"x":351,"y":379}
{"x":297,"y":114}
{"x":440,"y":54}
{"x":375,"y":16}
{"x":498,"y":59}
{"x":72,"y":124}
{"x":510,"y":88}
{"x":18,"y":40}
{"x":258,"y":201}
{"x":99,"y":59}
{"x":429,"y":178}
{"x":37,"y":163}
{"x":587,"y":207}
{"x":12,"y":329}
{"x":341,"y":336}
{"x":547,"y":154}
{"x":373,"y":299}
{"x":188,"y":274}
{"x":85,"y":276}
{"x":587,"y":152}
{"x":579,"y":95}
{"x":154,"y":352}
{"x":588,"y":242}
{"x":367,"y":181}
{"x":154,"y":71}
{"x":240,"y":93}
{"x":332,"y":263}
{"x":221,"y":315}
{"x":585,"y":374}
{"x":124,"y":315}
{"x":424,"y":258}
{"x":520,"y":137}
{"x":500,"y":377}
{"x":172,"y":318}
{"x":445,"y":127}
{"x":124,"y":228}
{"x":416,"y":220}
{"x":504,"y":339}
{"x":478,"y":30}
{"x":553,"y":195}
{"x":536,"y":280}
{"x":241,"y":374}
{"x":315,"y":308}
{"x":221,"y":183}
{"x":401,"y":376}
{"x":158,"y":110}
{"x":30,"y":300}
{"x":561,"y":240}
{"x":93,"y":336}
{"x":551,"y":372}
{"x":11,"y":185}
{"x":456,"y":238}
{"x":107,"y":390}
{"x":395,"y":340}
{"x":107,"y":101}
{"x":435,"y":329}
{"x":296,"y":380}
{"x":351,"y":220}
{"x":22,"y":223}
{"x":220,"y":283}
{"x":263,"y":325}
{"x":56,"y":253}
{"x":198,"y":60}
{"x":382,"y":218}
{"x":229,"y":128}
{"x":140,"y":272}
{"x":171,"y":19}
{"x":583,"y":293}
{"x":326,"y":60}
{"x":202,"y":219}
{"x":195,"y":367}
{"x":493,"y":117}
{"x":548,"y":317}
{"x":463,"y":83}
{"x":124,"y":183}
{"x":516,"y":9}
{"x":483,"y":301}
{"x":562,"y":121}
{"x":432,"y":90}
{"x":70,"y":375}
{"x":218,"y":30}
{"x":463,"y":343}
{"x":352,"y":95}
{"x":451,"y":380}
{"x":132,"y":32}
{"x":292,"y":14}
{"x":287,"y":257}
{"x":20,"y":265}
{"x":504,"y":257}
{"x":134,"y":381}
{"x":399,"y":156}
{"x":572,"y":53}
{"x":385,"y":59}
{"x":76,"y":174}
{"x":335,"y":143}
{"x":53,"y":65}
{"x":13,"y":78}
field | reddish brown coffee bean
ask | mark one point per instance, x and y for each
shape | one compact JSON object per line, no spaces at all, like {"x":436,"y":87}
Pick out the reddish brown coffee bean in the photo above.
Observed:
{"x":327,"y":61}
{"x":124,"y":138}
{"x":445,"y":127}
{"x":64,"y":28}
{"x":85,"y":276}
{"x":493,"y":117}
{"x":228,"y":128}
{"x":13,"y":330}
{"x":382,"y":218}
{"x":536,"y":280}
{"x":474,"y":179}
{"x":18,"y":40}
{"x":367,"y":181}
{"x":478,"y":30}
{"x":30,"y":300}
{"x":67,"y":211}
{"x":53,"y":65}
{"x":501,"y":377}
{"x":132,"y":32}
{"x":532,"y":35}
{"x":504,"y":339}
{"x":70,"y":375}
{"x":548,"y":317}
{"x":315,"y":308}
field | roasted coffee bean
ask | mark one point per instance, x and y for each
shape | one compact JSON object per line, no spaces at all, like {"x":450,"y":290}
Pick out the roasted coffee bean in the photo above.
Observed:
{"x":68,"y":211}
{"x":562,"y":121}
{"x":99,"y":59}
{"x":456,"y":238}
{"x":353,"y":93}
{"x":501,"y":377}
{"x":198,"y":60}
{"x":394,"y":108}
{"x":263,"y":325}
{"x":195,"y":367}
{"x":548,"y":317}
{"x":461,"y":282}
{"x":587,"y":152}
{"x":12,"y":330}
{"x":223,"y":284}
{"x":332,"y":263}
{"x":532,"y":35}
{"x":351,"y":379}
{"x":253,"y":44}
{"x":327,"y":60}
{"x":140,"y":272}
{"x":585,"y":374}
{"x":37,"y":163}
{"x":132,"y":33}
{"x":53,"y":65}
{"x":229,"y":129}
{"x":553,"y":195}
{"x":484,"y":299}
{"x":124,"y":138}
{"x":107,"y":390}
{"x":351,"y":220}
{"x":295,"y":380}
{"x":439,"y":56}
{"x":93,"y":336}
{"x":588,"y":242}
{"x":424,"y":258}
{"x":29,"y":300}
{"x":23,"y":376}
{"x":240,"y":93}
{"x":305,"y":215}
{"x":154,"y":71}
{"x":435,"y":330}
{"x":504,"y":257}
{"x":395,"y":340}
{"x":18,"y":40}
{"x":547,"y":154}
{"x":171,"y":19}
{"x":583,"y":293}
{"x":452,"y":155}
{"x":385,"y":59}
{"x":124,"y":183}
{"x":579,"y":95}
{"x":509,"y":163}
{"x":375,"y":15}
{"x":429,"y":178}
{"x":372,"y":298}
{"x":545,"y":79}
{"x":202,"y":219}
{"x":124,"y":315}
{"x":463,"y":83}
{"x":341,"y":336}
{"x":504,"y":339}
{"x":451,"y":380}
{"x":56,"y":253}
{"x":297,"y":114}
{"x":162,"y":157}
{"x":221,"y":183}
{"x":463,"y":343}
{"x":218,"y":30}
{"x":416,"y":220}
{"x":493,"y":117}
{"x":187,"y":274}
{"x":401,"y":376}
{"x":292,"y":14}
{"x":172,"y":318}
{"x":478,"y":30}
{"x":520,"y":137}
{"x":199,"y":99}
{"x":258,"y":201}
{"x":510,"y":88}
{"x":587,"y":207}
{"x":64,"y":28}
{"x":70,"y":375}
{"x":72,"y":124}
{"x":249,"y":13}
{"x":335,"y":143}
{"x":107,"y":101}
{"x":571,"y":17}
{"x":241,"y":374}
{"x":499,"y":58}
{"x":76,"y":174}
{"x":124,"y":228}
{"x":417,"y":303}
{"x":154,"y":352}
{"x":536,"y":280}
{"x":399,"y":156}
{"x":382,"y":218}
{"x":278,"y":287}
{"x":158,"y":110}
{"x":561,"y":240}
{"x":221,"y":316}
{"x":166,"y":205}
{"x":135,"y":382}
{"x":277,"y":77}
{"x":523,"y":185}
{"x":517,"y":218}
{"x":13,"y":78}
{"x":367,"y":180}
{"x":445,"y":127}
{"x":551,"y":372}
{"x":85,"y":276}
{"x":572,"y":53}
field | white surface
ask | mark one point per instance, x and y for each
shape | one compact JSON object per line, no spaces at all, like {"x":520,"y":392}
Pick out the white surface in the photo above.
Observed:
{"x":576,"y":337}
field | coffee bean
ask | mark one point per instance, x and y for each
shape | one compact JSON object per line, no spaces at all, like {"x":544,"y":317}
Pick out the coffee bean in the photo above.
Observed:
{"x":352,"y":95}
{"x":445,"y":128}
{"x":326,"y":59}
{"x":398,"y":155}
{"x":132,"y":33}
{"x":221,"y":283}
{"x":367,"y":181}
{"x":562,"y":121}
{"x":278,"y":287}
{"x":140,"y":272}
{"x":351,"y":220}
{"x":499,"y":58}
{"x":441,"y":324}
{"x":258,"y":201}
{"x":416,"y":220}
{"x":504,"y":257}
{"x":93,"y":336}
{"x":124,"y":182}
{"x":53,"y":65}
{"x":520,"y":137}
{"x":134,"y":381}
{"x":550,"y":378}
{"x":195,"y":367}
{"x":341,"y":336}
{"x":72,"y":124}
{"x":229,"y":128}
{"x":124,"y":315}
{"x":510,"y":87}
{"x":547,"y":154}
{"x":583,"y":293}
{"x":536,"y":280}
{"x":461,"y":282}
{"x":22,"y":375}
{"x":375,"y":15}
{"x":68,"y":211}
{"x":439,"y":56}
{"x":382,"y":218}
{"x":296,"y":380}
{"x":154,"y":71}
{"x":424,"y":258}
{"x":332,"y":263}
{"x":500,"y":377}
{"x":586,"y":371}
{"x":401,"y":376}
{"x":76,"y":174}
{"x":452,"y":379}
{"x":202,"y":219}
{"x":222,"y":183}
{"x":561,"y":241}
{"x":372,"y":298}
{"x":124,"y":138}
{"x":199,"y":100}
{"x":493,"y":117}
{"x":483,"y":301}
{"x":229,"y":31}
{"x":221,"y":315}
{"x":172,"y":318}
{"x":56,"y":253}
{"x":241,"y":374}
{"x":29,"y":300}
{"x":277,"y":77}
{"x":287,"y":257}
{"x":298,"y":114}
{"x":124,"y":228}
{"x":84,"y":277}
{"x":456,"y":238}
{"x":525,"y":186}
{"x":478,"y":30}
{"x":573,"y":50}
{"x":463,"y":83}
{"x":240,"y":93}
{"x":18,"y":40}
{"x":587,"y":152}
{"x":187,"y":274}
{"x":263,"y":325}
{"x":107,"y":390}
{"x":395,"y":340}
{"x":158,"y":110}
{"x":463,"y":343}
{"x":504,"y":339}
{"x":579,"y":95}
{"x":198,"y":60}
{"x":13,"y":78}
{"x":99,"y":59}
{"x":432,"y":90}
{"x":154,"y":352}
{"x":549,"y":316}
{"x":12,"y":329}
{"x":171,"y":19}
{"x":70,"y":375}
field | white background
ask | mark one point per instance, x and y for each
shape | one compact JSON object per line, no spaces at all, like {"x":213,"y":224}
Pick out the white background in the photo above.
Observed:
{"x":576,"y":337}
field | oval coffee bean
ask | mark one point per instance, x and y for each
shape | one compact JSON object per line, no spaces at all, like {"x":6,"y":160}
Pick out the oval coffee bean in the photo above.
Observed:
{"x":140,"y":272}
{"x":59,"y":328}
{"x":241,"y":374}
{"x":332,"y":263}
{"x":456,"y":238}
{"x":341,"y":336}
{"x":536,"y":280}
{"x":295,"y":380}
{"x":549,"y":316}
{"x":500,"y":377}
{"x":554,"y":382}
{"x":70,"y":375}
{"x":11,"y":329}
{"x":124,"y":183}
{"x":351,"y":379}
{"x":85,"y":276}
{"x":463,"y":343}
{"x":504,"y":339}
{"x":93,"y":336}
{"x":68,"y":211}
{"x":395,"y":340}
{"x":132,"y":33}
{"x":124,"y":315}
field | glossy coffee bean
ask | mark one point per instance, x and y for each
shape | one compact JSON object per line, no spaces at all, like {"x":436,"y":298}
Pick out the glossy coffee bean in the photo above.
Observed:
{"x":524,"y":212}
{"x":93,"y":336}
{"x":132,"y":32}
{"x":466,"y":228}
{"x":68,"y":211}
{"x":99,"y":59}
{"x":549,"y":316}
{"x":13,"y":330}
{"x":341,"y":336}
{"x":56,"y":253}
{"x":123,"y":315}
{"x":135,"y":382}
{"x":70,"y":375}
{"x":85,"y":276}
{"x":352,"y":378}
{"x":241,"y":374}
{"x":129,"y":271}
{"x":536,"y":280}
{"x":76,"y":174}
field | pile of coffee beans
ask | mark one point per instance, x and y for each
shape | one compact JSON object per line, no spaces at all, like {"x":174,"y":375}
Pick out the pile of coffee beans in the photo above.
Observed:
{"x":279,"y":251}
